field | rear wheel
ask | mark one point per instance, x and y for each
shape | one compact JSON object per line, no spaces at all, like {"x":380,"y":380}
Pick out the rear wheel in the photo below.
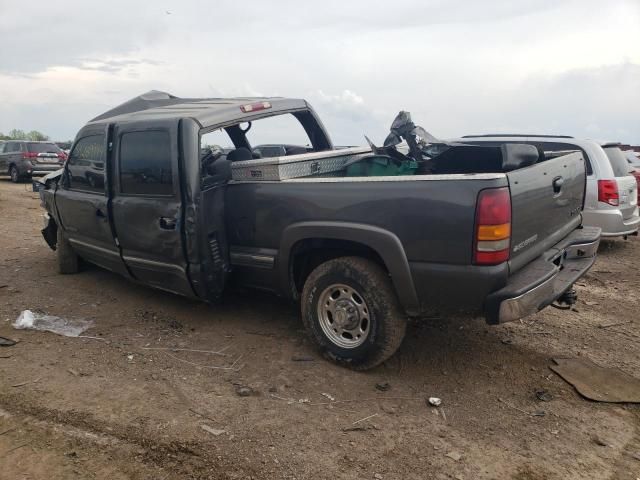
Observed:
{"x":14,"y":174}
{"x":351,"y":311}
{"x":68,"y":261}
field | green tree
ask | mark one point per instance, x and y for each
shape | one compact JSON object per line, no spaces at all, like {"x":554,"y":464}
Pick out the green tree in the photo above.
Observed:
{"x":16,"y":134}
{"x":36,"y":136}
{"x":4,"y":137}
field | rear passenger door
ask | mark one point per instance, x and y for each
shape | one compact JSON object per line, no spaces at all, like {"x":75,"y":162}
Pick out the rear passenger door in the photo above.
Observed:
{"x":82,"y":202}
{"x":147,"y":207}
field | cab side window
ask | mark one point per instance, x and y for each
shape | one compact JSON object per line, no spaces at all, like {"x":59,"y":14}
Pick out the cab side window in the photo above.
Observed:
{"x":85,"y":167}
{"x":145,"y":163}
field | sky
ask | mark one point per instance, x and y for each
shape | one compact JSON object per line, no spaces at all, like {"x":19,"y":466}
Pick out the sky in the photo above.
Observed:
{"x":459,"y":66}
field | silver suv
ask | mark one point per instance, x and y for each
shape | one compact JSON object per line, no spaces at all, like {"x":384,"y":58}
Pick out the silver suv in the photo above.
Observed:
{"x":611,"y":200}
{"x":23,"y":159}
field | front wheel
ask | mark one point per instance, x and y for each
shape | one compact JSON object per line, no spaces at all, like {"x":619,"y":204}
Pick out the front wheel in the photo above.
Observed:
{"x":351,"y":311}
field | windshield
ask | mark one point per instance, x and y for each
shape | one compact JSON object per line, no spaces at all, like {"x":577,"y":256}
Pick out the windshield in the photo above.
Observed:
{"x":618,"y":161}
{"x":43,"y":148}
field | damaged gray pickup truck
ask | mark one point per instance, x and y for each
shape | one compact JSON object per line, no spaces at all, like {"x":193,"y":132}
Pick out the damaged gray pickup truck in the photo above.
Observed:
{"x":171,"y":193}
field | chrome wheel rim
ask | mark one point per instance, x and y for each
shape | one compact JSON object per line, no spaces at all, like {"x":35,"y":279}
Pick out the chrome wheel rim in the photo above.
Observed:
{"x":344,"y":316}
{"x":14,"y":174}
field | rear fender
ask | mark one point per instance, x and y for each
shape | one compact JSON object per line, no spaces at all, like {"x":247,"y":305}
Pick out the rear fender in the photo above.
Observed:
{"x":386,"y":244}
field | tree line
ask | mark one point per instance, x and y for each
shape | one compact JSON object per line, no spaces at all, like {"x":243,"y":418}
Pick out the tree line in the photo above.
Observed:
{"x":33,"y":135}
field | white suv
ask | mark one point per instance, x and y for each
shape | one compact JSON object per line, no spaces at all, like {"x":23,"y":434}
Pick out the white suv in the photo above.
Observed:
{"x":611,"y":200}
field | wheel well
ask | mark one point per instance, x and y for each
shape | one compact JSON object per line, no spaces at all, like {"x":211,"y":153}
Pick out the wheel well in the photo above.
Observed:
{"x":307,"y":254}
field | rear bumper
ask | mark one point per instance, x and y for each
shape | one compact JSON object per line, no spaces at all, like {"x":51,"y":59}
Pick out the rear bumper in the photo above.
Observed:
{"x":611,"y":222}
{"x":37,"y":169}
{"x":544,"y":280}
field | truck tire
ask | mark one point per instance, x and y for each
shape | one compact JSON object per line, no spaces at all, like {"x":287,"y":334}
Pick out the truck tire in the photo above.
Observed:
{"x":68,"y":261}
{"x":14,"y":174}
{"x":351,"y":311}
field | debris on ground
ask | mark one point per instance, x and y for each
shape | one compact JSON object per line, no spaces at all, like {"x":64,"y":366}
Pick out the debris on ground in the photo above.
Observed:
{"x":599,"y":441}
{"x":244,"y":391}
{"x":598,"y":383}
{"x":383,"y":387}
{"x":455,"y":456}
{"x":378,"y":476}
{"x":213,"y":431}
{"x":6,"y":342}
{"x":435,"y":401}
{"x":543,"y":396}
{"x":302,"y":359}
{"x":48,"y":323}
{"x":330,"y":397}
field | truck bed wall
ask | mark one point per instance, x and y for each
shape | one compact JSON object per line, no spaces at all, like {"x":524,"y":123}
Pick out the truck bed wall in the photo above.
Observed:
{"x":432,"y":218}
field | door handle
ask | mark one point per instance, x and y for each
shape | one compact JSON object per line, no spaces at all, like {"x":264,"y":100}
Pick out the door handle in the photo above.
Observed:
{"x":557,"y":184}
{"x":167,"y":223}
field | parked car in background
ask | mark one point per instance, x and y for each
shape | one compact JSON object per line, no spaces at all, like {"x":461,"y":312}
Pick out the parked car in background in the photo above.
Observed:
{"x":611,"y":201}
{"x":633,"y":158}
{"x":22,"y":159}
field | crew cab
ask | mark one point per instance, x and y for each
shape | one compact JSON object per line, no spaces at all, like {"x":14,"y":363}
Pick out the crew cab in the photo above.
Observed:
{"x":493,"y":231}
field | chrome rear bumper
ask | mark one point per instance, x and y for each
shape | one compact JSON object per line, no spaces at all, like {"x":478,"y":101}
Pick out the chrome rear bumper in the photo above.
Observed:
{"x":544,"y":280}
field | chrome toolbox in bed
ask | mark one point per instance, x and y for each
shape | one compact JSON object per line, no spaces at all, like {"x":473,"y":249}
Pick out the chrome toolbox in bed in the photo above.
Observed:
{"x":295,"y":166}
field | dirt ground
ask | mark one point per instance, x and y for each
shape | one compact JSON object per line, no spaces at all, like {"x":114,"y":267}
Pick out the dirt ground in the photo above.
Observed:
{"x":131,"y":402}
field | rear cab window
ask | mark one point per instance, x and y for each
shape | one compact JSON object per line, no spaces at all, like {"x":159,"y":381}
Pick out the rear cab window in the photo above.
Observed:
{"x":619,"y":163}
{"x":145,"y":163}
{"x":85,"y":167}
{"x":274,"y":136}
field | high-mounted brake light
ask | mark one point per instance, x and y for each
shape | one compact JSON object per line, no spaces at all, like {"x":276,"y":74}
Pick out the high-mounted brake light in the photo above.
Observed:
{"x":255,"y":107}
{"x":493,"y":227}
{"x":608,"y":192}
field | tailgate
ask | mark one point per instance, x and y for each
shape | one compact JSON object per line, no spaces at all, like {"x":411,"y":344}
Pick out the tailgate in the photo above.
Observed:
{"x":546,"y":201}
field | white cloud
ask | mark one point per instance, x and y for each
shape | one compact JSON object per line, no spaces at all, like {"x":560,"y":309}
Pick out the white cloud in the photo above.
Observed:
{"x":459,"y":66}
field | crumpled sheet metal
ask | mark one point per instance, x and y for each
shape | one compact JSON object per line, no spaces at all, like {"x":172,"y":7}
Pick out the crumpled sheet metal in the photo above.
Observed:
{"x":598,"y":383}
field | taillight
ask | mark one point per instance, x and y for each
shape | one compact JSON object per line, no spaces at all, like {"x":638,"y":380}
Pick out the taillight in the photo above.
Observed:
{"x":608,"y":192}
{"x":62,"y":156}
{"x":255,"y":107}
{"x":29,"y":155}
{"x":493,"y":227}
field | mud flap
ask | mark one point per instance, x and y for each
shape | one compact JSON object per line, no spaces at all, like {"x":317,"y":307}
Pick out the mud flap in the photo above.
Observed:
{"x":50,"y":234}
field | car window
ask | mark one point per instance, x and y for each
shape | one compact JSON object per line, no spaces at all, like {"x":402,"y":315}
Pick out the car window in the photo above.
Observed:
{"x":35,"y":147}
{"x":85,"y":167}
{"x":618,"y":161}
{"x":145,"y":163}
{"x":11,"y":147}
{"x":563,"y":146}
{"x":541,"y":146}
{"x":2,"y":147}
{"x":278,"y":130}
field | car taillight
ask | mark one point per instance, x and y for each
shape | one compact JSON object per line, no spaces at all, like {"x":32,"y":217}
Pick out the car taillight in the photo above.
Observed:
{"x":493,"y":227}
{"x":29,"y":155}
{"x":608,"y":192}
{"x":62,"y":156}
{"x":255,"y":107}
